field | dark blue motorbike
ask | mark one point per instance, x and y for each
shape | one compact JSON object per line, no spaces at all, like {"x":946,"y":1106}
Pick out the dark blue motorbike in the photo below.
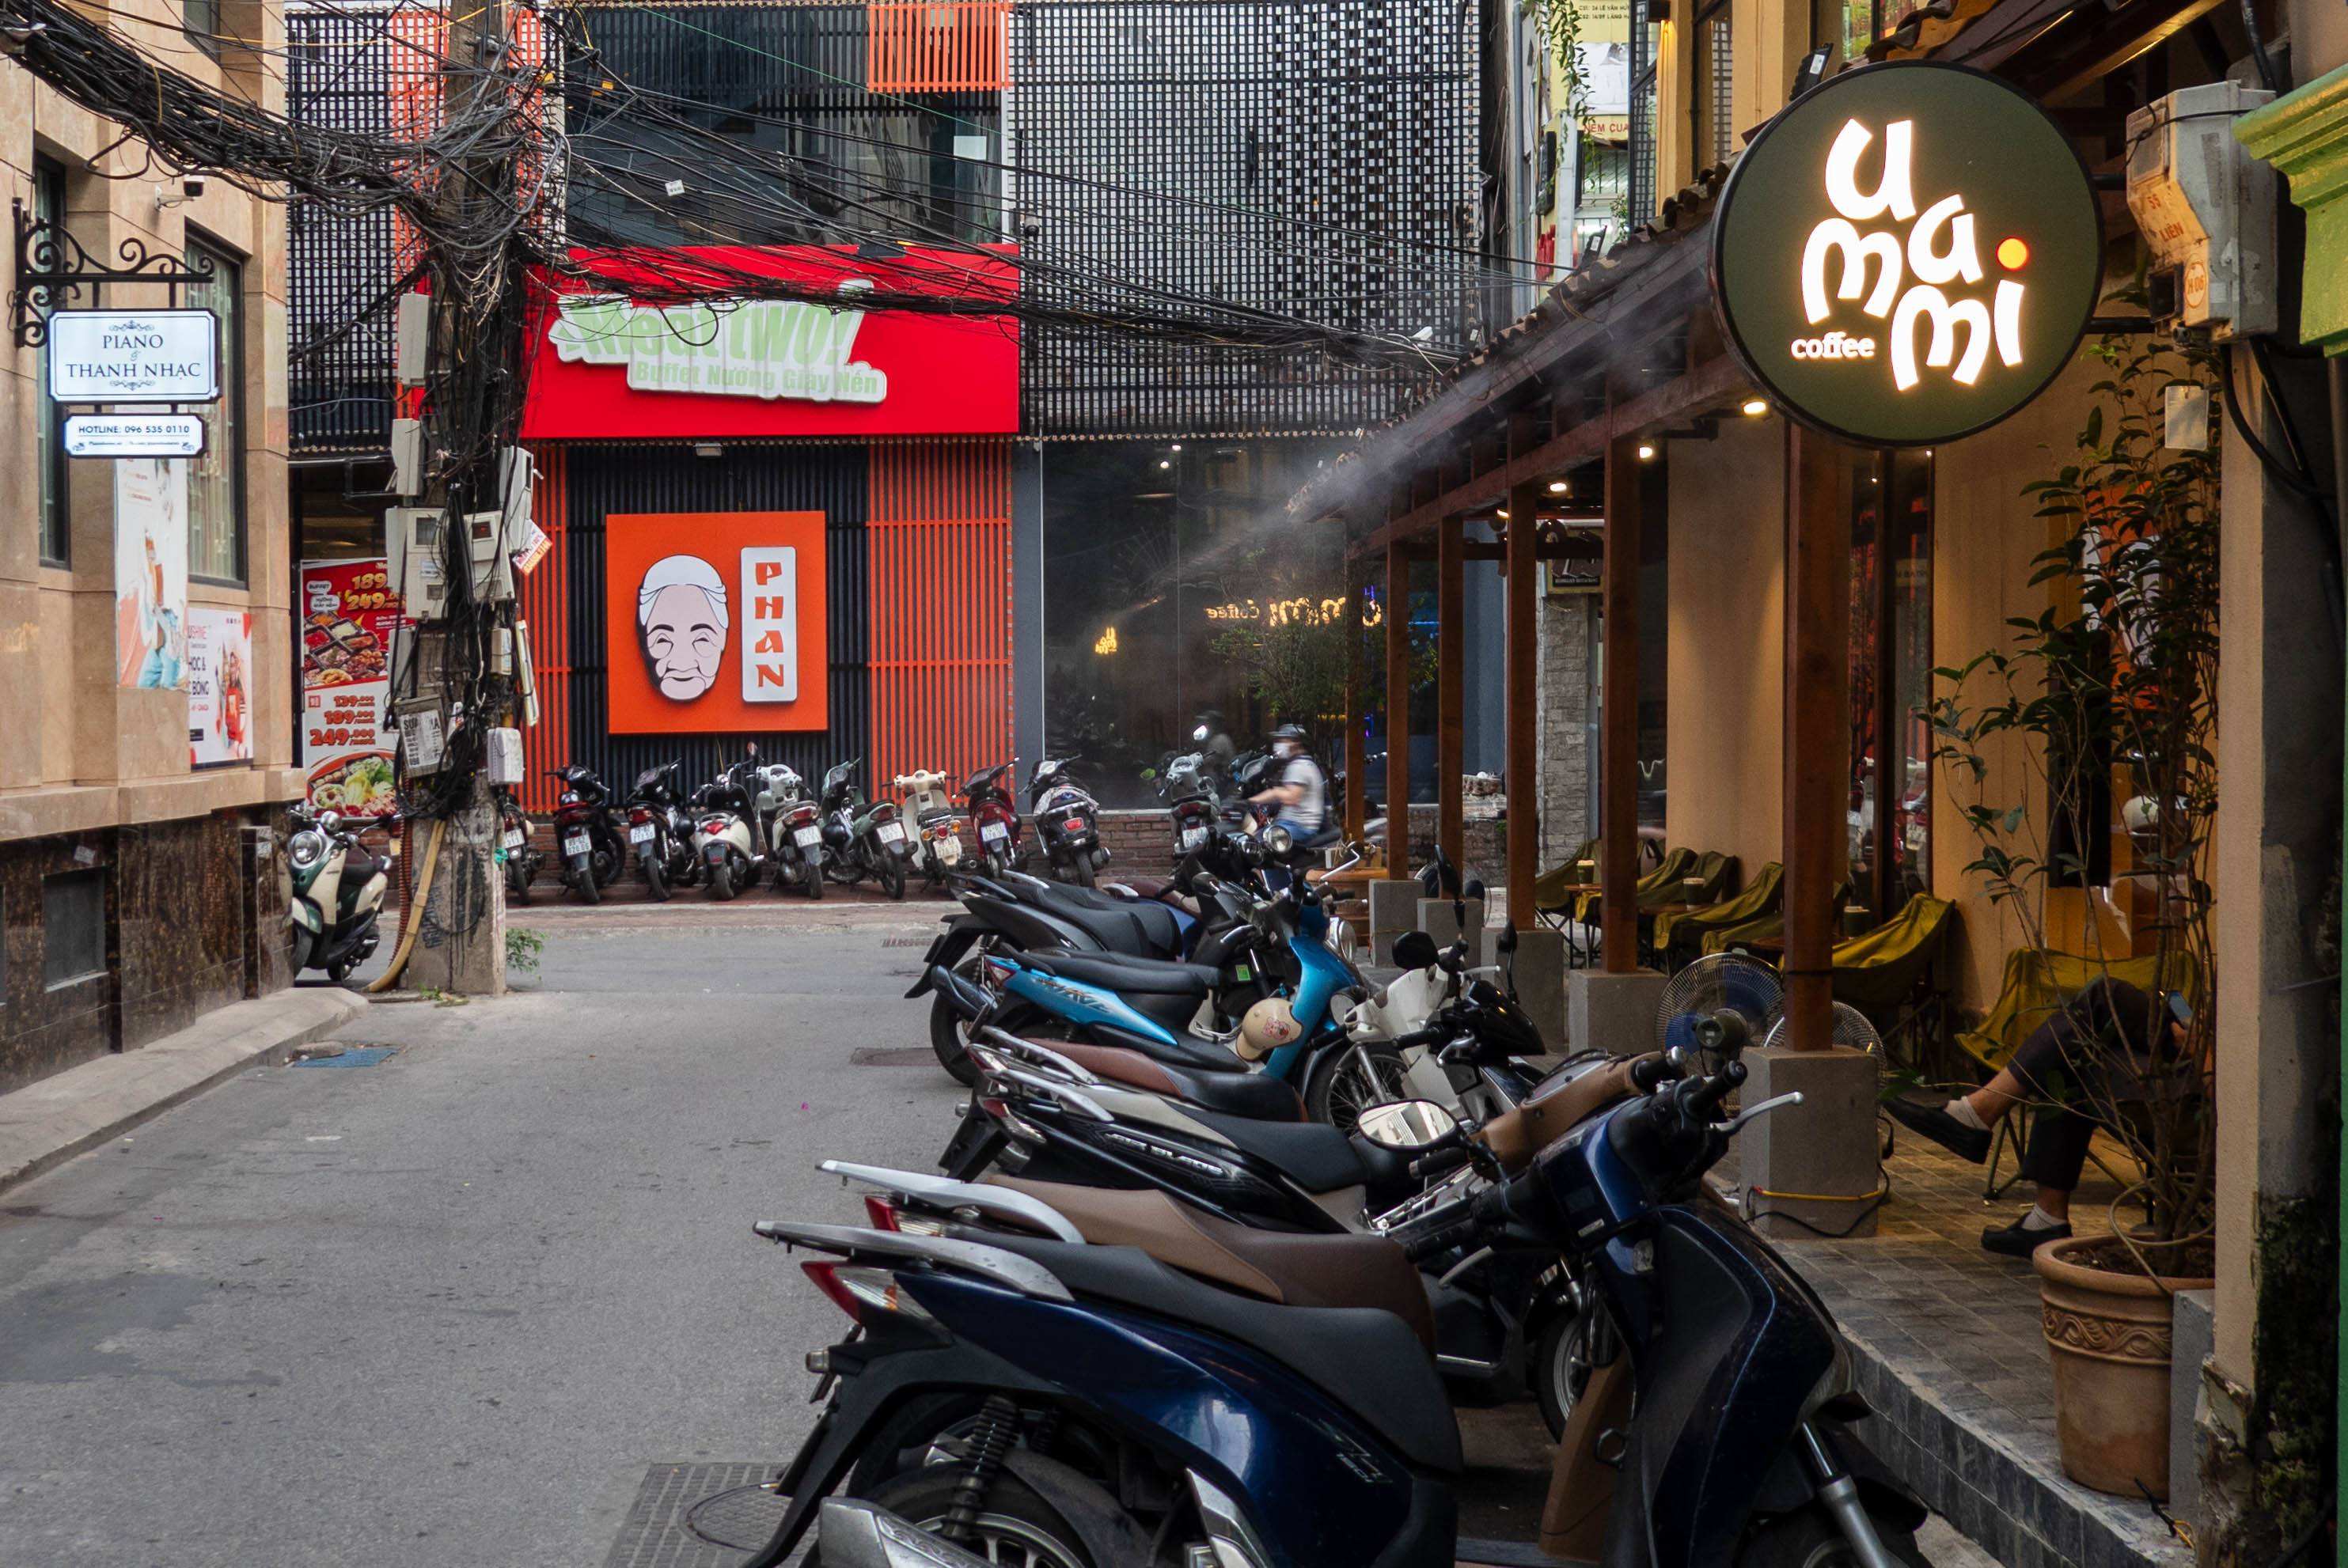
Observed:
{"x":1085,"y":1407}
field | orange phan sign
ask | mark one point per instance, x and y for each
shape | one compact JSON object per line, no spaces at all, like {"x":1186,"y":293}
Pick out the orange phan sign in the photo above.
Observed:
{"x":715,"y":622}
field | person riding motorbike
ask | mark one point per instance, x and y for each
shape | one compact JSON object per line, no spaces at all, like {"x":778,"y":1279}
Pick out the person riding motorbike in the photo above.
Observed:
{"x":1213,"y":738}
{"x":1301,"y":799}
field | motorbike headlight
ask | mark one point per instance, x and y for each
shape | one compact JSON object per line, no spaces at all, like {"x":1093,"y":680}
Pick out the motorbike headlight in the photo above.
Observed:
{"x":306,"y":848}
{"x":1278,"y":840}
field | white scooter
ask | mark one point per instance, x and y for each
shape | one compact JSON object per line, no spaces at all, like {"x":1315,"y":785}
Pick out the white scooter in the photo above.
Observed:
{"x":338,"y":892}
{"x":932,"y":810}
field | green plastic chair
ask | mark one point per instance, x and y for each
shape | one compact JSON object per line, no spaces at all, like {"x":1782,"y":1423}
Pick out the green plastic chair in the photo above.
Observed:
{"x":1549,"y":897}
{"x":1683,"y":934}
{"x":1877,"y":972}
{"x":1652,"y":888}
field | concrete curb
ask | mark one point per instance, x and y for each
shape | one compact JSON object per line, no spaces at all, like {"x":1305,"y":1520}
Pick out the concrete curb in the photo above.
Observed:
{"x":46,"y":1124}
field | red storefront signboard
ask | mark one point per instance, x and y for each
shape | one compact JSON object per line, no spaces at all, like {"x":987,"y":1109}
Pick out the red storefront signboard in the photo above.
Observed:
{"x":347,"y":611}
{"x":603,"y":366}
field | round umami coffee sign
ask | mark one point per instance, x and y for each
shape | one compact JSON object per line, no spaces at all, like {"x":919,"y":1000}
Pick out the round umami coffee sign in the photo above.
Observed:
{"x":1907,"y":254}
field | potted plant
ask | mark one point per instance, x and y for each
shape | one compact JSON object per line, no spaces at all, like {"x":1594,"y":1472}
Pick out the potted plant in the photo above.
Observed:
{"x":2113,"y":688}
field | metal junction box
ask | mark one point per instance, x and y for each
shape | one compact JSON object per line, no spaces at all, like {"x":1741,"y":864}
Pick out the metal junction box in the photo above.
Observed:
{"x":2207,"y":209}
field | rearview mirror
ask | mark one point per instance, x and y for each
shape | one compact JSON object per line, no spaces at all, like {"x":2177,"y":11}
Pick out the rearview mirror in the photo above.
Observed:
{"x":1406,"y":1125}
{"x":1506,"y":943}
{"x":1414,"y":950}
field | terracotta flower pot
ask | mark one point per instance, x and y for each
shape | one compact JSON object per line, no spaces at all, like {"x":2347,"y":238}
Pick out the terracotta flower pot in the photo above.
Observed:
{"x":2110,"y":1335}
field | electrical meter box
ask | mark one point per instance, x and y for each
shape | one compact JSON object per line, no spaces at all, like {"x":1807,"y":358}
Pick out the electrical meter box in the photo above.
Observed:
{"x":502,"y":761}
{"x":2206,"y":208}
{"x":411,"y":539}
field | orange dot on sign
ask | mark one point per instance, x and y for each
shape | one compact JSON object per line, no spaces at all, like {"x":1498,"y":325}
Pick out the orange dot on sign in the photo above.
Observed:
{"x":2012,"y":253}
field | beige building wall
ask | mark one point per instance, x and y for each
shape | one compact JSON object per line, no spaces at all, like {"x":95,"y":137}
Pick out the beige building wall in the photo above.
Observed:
{"x":1726,"y":566}
{"x":82,"y":753}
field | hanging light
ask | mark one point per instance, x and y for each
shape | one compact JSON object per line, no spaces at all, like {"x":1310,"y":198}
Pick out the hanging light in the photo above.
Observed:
{"x":1754,"y":408}
{"x":1646,"y":453}
{"x":1558,"y":487}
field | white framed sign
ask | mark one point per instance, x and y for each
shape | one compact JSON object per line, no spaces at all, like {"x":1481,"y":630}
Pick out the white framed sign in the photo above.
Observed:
{"x":134,"y":356}
{"x":134,"y":435}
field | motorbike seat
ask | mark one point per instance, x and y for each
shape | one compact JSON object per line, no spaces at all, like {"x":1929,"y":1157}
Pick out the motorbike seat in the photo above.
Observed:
{"x":1276,"y":1266}
{"x":1124,"y":974}
{"x":1250,"y":1094}
{"x":1364,"y":1360}
{"x":1313,"y":1154}
{"x":1135,"y":926}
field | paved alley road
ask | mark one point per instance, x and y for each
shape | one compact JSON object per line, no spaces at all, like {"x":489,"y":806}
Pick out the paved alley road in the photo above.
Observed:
{"x":445,"y":1310}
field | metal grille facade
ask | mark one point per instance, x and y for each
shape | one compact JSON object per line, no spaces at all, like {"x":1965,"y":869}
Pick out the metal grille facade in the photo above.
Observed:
{"x":1644,"y":198}
{"x":337,"y":74}
{"x":1309,"y":158}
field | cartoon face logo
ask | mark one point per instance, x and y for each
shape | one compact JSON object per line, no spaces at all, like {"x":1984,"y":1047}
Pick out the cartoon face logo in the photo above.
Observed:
{"x":681,"y":621}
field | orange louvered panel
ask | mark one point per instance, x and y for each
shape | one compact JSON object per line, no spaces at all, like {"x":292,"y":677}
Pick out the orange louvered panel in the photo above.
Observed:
{"x":545,"y":596}
{"x":952,"y":46}
{"x":940,"y":543}
{"x":419,"y":44}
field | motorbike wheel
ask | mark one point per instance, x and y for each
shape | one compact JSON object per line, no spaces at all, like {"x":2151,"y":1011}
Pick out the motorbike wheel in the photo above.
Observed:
{"x":305,"y":947}
{"x":893,"y":876}
{"x":1338,"y":1092}
{"x":1811,"y":1539}
{"x":721,"y":880}
{"x":656,"y":879}
{"x":516,"y":881}
{"x":1560,"y":1368}
{"x":946,"y":1037}
{"x":584,"y":884}
{"x":1014,"y":1525}
{"x":811,"y":879}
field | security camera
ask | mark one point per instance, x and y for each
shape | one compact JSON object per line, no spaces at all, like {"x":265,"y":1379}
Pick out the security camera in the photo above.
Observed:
{"x":192,"y":187}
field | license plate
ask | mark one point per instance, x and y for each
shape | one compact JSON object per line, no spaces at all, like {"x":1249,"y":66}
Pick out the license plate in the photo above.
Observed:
{"x":641,"y":834}
{"x":806,"y":837}
{"x":717,"y":854}
{"x":516,"y":839}
{"x":1193,"y":836}
{"x":891,"y":832}
{"x":949,"y":849}
{"x":575,"y":845}
{"x":1076,"y":824}
{"x":994,"y":832}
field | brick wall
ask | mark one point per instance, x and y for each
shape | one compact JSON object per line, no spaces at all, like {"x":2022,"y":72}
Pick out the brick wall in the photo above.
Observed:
{"x":1563,"y":648}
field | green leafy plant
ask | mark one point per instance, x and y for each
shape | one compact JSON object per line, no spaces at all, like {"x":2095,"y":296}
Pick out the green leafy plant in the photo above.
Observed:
{"x":1560,"y":22}
{"x":524,"y":948}
{"x":2113,"y":691}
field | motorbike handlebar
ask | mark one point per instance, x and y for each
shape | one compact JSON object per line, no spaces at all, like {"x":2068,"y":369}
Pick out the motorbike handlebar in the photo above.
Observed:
{"x":1488,"y":1210}
{"x":1699,"y":1097}
{"x":1442,"y":1163}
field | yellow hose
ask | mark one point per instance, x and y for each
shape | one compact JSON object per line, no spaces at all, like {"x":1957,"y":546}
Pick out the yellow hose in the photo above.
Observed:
{"x":412,"y":917}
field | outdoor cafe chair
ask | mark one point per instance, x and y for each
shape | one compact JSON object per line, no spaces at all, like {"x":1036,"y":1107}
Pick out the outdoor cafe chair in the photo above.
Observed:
{"x":1891,"y":968}
{"x":1680,"y":938}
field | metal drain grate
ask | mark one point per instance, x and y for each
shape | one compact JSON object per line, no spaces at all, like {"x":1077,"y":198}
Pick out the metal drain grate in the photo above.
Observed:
{"x":325,"y":1054}
{"x":907,"y":941}
{"x":680,"y":1507}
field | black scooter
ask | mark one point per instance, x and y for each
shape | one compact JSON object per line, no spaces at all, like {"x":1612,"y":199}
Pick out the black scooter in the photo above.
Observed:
{"x":586,"y":844}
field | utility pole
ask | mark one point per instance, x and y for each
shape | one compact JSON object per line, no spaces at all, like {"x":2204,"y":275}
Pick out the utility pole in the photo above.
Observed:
{"x":465,"y":659}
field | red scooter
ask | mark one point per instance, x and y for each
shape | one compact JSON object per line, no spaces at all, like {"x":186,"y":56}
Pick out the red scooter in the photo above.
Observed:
{"x":995,"y":817}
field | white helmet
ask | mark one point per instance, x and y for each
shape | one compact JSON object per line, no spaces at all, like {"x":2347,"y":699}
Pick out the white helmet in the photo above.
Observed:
{"x":1268,"y":1025}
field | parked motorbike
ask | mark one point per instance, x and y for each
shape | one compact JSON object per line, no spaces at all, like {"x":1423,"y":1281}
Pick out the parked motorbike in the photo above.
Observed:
{"x":338,"y":892}
{"x":522,"y":856}
{"x":1187,"y":787}
{"x":726,"y":836}
{"x":995,"y":816}
{"x":861,"y":839}
{"x":589,"y":847}
{"x":1067,"y":828}
{"x":938,"y":826}
{"x":1075,"y":1403}
{"x":652,"y":814}
{"x":793,"y":824}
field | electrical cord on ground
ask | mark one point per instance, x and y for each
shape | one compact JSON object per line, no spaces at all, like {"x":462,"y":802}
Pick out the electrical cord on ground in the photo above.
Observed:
{"x":411,"y":918}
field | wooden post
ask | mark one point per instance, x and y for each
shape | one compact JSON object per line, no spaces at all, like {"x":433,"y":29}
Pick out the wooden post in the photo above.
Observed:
{"x":1398,"y":709}
{"x":1524,"y":694}
{"x":1817,"y":728}
{"x":1355,"y":758}
{"x":1617,"y":738}
{"x":1450,"y":679}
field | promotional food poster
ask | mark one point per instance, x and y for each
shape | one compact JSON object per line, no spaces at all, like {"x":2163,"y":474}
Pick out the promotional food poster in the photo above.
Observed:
{"x":150,"y":573}
{"x":219,"y":686}
{"x":347,"y":611}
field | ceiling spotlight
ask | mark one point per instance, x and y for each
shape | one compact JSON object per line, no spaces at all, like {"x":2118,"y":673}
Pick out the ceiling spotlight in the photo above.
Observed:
{"x":1646,"y":453}
{"x":1558,"y":487}
{"x":1502,"y":512}
{"x":1175,"y":448}
{"x":1165,"y":462}
{"x":709,"y":449}
{"x":1754,"y":408}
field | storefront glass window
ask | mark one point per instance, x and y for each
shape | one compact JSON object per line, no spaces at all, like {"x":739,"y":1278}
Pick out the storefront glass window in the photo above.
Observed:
{"x":1176,"y":585}
{"x":216,"y":479}
{"x":1890,"y":678}
{"x":48,"y":425}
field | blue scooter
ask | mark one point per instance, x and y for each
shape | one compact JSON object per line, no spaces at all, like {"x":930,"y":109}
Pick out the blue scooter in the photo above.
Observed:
{"x":1281,"y":990}
{"x":1057,"y":1403}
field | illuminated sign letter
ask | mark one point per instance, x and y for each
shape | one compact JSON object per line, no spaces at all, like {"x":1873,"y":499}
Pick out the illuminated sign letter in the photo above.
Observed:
{"x":1835,"y":234}
{"x":1925,"y":300}
{"x":770,"y":624}
{"x":1892,"y":193}
{"x":1961,"y":260}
